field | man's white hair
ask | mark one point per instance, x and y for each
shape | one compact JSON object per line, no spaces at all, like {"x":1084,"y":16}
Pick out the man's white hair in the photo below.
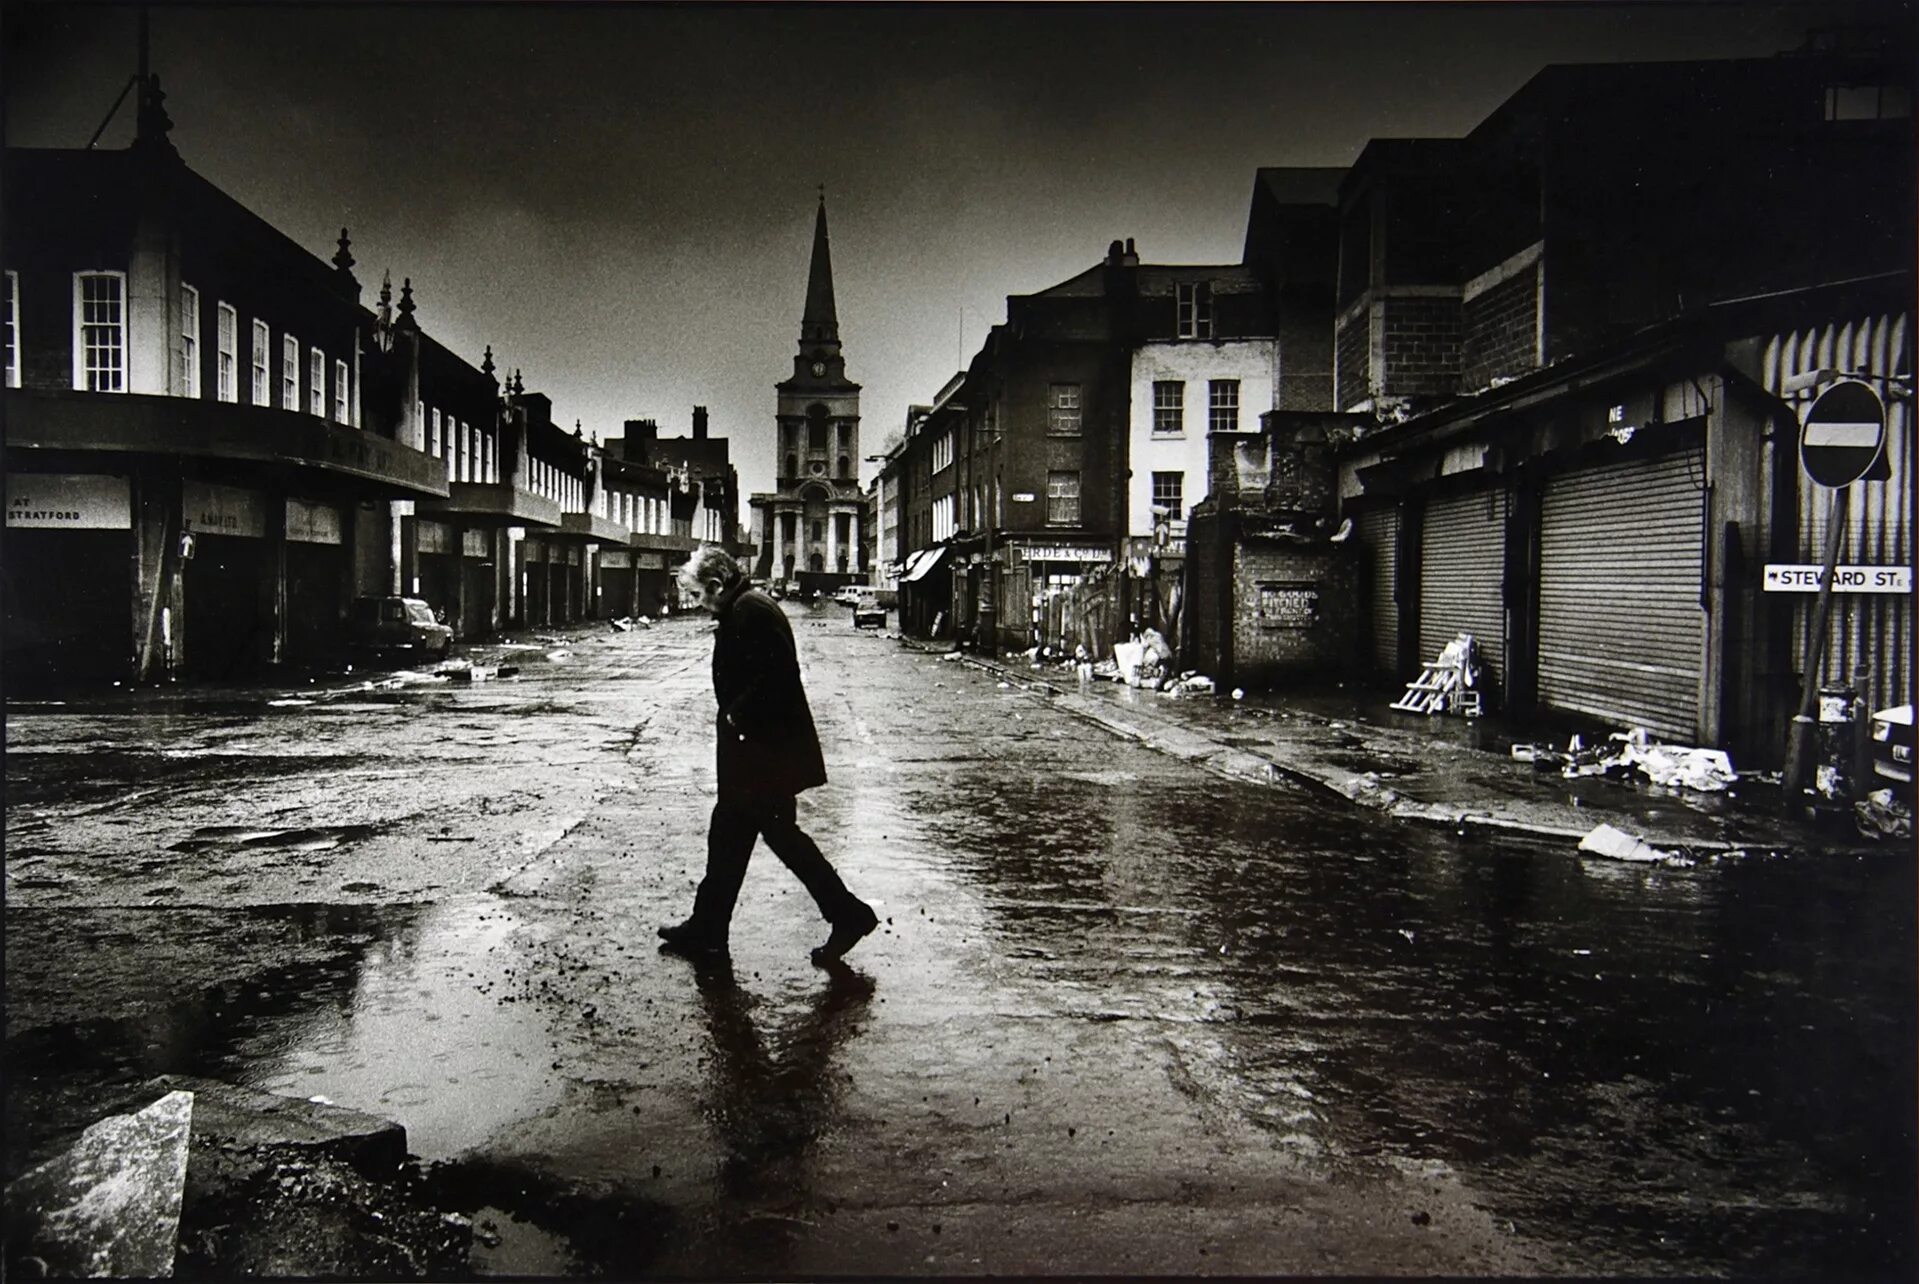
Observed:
{"x":709,"y":562}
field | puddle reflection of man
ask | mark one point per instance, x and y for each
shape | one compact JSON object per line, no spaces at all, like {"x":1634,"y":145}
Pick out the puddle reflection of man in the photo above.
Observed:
{"x":773,"y":1093}
{"x":767,"y":753}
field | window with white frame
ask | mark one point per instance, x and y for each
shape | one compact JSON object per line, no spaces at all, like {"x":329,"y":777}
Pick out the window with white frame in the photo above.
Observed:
{"x":262,"y":345}
{"x":316,"y":382}
{"x":289,"y":372}
{"x":1062,"y":409}
{"x":226,"y":384}
{"x":100,"y":331}
{"x":1062,"y":498}
{"x":189,"y":341}
{"x":341,"y":415}
{"x":13,"y":329}
{"x":1169,"y":406}
{"x":1168,"y":497}
{"x":1195,"y":310}
{"x":943,"y":451}
{"x":433,"y":432}
{"x":1222,"y":405}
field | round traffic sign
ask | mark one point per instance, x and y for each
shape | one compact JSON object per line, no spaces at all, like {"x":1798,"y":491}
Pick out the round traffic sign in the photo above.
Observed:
{"x":1844,"y":432}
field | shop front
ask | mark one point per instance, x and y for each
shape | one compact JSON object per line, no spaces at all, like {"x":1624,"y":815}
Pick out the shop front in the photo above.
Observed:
{"x":319,"y":578}
{"x":67,"y":575}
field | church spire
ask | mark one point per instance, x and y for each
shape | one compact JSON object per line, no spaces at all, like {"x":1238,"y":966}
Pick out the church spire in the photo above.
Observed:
{"x":821,"y":324}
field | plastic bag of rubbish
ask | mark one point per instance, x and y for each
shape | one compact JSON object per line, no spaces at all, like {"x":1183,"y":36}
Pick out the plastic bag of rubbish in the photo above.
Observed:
{"x":1617,"y":844}
{"x":1882,"y":814}
{"x":1127,"y":655}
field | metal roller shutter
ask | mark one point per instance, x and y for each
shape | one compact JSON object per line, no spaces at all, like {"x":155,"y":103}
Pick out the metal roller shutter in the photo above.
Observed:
{"x":1379,"y":532}
{"x":1621,"y":633}
{"x":1462,"y":567}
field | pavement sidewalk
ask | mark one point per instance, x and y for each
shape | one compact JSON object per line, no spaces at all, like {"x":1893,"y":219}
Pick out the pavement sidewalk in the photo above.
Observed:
{"x":1439,"y":770}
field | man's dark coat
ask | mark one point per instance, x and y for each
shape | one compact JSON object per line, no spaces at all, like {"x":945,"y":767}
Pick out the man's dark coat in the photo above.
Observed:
{"x":767,"y":744}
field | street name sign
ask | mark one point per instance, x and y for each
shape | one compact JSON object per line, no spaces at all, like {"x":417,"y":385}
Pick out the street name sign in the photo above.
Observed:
{"x":1844,"y":432}
{"x":1793,"y":577}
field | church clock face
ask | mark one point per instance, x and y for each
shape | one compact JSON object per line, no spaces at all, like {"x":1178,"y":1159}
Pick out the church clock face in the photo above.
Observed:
{"x":819,"y":369}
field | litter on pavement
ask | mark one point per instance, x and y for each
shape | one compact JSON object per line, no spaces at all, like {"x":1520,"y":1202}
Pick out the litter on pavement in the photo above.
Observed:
{"x":1617,"y":844}
{"x":1635,"y":753}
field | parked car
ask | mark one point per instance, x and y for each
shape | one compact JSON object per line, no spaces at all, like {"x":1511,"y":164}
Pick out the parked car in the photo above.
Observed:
{"x":396,"y":626}
{"x":868,"y":613}
{"x":847,"y":595}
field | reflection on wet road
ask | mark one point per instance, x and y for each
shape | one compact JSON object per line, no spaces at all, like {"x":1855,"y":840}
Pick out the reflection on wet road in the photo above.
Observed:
{"x":1122,"y":1016}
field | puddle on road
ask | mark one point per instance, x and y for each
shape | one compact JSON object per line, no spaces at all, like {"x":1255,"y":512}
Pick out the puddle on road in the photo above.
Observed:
{"x":307,"y":839}
{"x":423,"y":1038}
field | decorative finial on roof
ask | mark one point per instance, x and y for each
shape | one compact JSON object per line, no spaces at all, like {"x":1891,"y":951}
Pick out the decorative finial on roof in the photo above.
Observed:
{"x":518,"y":386}
{"x":577,"y":431}
{"x":153,"y":123}
{"x":407,"y":306}
{"x":486,"y":364}
{"x":344,"y":258}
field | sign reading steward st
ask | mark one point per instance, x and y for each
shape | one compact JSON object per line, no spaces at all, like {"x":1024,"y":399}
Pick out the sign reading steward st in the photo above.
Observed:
{"x":1844,"y":433}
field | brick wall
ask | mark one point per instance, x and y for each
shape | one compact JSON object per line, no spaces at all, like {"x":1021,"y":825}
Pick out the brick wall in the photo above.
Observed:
{"x":1295,"y":643}
{"x":1354,"y":359}
{"x":1422,"y":347}
{"x":1305,"y":365}
{"x":1499,"y":331}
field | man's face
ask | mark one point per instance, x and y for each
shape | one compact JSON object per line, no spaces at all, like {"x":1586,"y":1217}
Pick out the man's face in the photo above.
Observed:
{"x":709,"y":591}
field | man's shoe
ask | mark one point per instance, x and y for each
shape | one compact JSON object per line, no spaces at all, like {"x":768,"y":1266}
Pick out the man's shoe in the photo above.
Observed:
{"x":847,"y":933}
{"x":692,"y":940}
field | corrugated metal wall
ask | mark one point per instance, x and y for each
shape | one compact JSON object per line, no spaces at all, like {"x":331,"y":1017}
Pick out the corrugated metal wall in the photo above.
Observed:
{"x":1379,"y":532}
{"x":1621,"y":633}
{"x":1461,"y":572}
{"x":1871,"y":629}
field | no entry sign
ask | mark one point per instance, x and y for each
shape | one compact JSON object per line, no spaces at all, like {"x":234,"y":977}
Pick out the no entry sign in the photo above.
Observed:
{"x":1845,"y":431}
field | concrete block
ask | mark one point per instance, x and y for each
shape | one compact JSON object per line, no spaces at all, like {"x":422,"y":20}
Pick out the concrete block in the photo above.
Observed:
{"x":228,"y":1115}
{"x":109,"y":1206}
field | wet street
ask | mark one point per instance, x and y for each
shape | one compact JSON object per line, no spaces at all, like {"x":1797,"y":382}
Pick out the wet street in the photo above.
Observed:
{"x":1121,"y":1016}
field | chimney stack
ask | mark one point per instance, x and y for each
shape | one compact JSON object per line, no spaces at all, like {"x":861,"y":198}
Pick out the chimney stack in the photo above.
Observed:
{"x":1131,"y":257}
{"x":699,"y":423}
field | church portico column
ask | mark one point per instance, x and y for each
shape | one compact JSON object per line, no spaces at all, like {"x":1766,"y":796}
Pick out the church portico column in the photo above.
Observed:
{"x":776,"y":516}
{"x":832,"y":540}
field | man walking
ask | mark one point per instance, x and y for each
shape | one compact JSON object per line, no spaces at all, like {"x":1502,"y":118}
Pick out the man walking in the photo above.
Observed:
{"x":768,"y":752}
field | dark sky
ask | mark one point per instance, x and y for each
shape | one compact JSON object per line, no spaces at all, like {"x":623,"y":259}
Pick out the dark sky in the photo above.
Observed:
{"x":620,"y":198}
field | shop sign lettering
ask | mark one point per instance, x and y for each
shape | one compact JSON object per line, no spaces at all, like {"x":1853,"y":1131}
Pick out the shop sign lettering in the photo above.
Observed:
{"x":649,"y":561}
{"x":310,"y":523}
{"x":68,"y":502}
{"x":1067,"y":554}
{"x":615,"y":559}
{"x":1784,"y":577}
{"x":223,"y":510}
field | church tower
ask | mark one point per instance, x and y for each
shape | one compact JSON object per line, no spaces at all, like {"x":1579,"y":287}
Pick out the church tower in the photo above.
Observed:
{"x":810,"y":528}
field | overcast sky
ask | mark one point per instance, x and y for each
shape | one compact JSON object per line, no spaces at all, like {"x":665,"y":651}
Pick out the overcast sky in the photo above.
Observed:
{"x":620,"y":198}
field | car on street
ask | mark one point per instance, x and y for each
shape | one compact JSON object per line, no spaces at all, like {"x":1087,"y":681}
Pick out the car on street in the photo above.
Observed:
{"x":868,"y":613}
{"x":399,"y":626}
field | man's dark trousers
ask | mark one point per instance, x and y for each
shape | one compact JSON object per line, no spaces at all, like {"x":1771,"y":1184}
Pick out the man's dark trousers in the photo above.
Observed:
{"x":740,"y":818}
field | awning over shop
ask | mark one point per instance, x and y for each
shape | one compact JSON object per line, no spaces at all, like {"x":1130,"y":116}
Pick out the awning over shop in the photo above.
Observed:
{"x":922,"y":562}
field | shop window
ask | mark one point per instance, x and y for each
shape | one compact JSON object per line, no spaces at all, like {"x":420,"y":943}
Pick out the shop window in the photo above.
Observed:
{"x":1195,"y":310}
{"x":1062,"y":499}
{"x":189,"y":341}
{"x":262,"y":345}
{"x":1168,"y":496}
{"x":100,"y":331}
{"x":1169,"y":407}
{"x":1062,"y":410}
{"x":13,"y":329}
{"x":226,"y":372}
{"x":289,"y":372}
{"x":1222,"y":410}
